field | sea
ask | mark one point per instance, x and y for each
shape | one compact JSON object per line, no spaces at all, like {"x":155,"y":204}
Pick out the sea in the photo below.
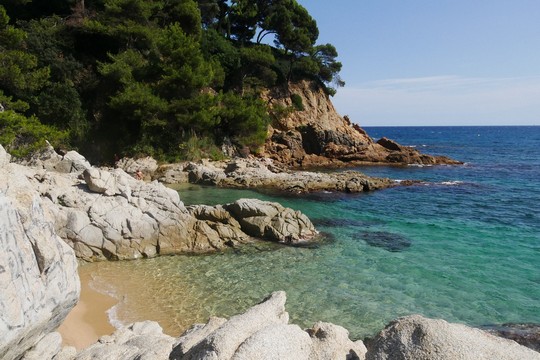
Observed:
{"x":462,"y":245}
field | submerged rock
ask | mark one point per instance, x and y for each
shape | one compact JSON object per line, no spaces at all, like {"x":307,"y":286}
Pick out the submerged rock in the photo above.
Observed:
{"x":386,"y":240}
{"x":419,"y":338}
{"x":525,"y":334}
{"x":341,"y":222}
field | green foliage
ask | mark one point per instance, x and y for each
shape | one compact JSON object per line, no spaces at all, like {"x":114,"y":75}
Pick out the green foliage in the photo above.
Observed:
{"x":59,"y":104}
{"x":160,"y":77}
{"x":21,"y":135}
{"x":297,"y":102}
{"x":8,"y":103}
{"x":245,"y":119}
{"x":183,"y":69}
{"x":195,"y":148}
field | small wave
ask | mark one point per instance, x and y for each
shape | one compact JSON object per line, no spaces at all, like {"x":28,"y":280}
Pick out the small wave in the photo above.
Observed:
{"x":105,"y":289}
{"x":114,"y":320}
{"x":452,"y":183}
{"x":420,"y":165}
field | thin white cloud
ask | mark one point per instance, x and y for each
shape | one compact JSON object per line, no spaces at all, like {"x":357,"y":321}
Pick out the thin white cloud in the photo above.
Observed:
{"x":443,"y":100}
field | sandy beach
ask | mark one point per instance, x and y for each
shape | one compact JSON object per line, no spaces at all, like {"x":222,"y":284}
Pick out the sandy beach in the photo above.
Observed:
{"x":88,"y":320}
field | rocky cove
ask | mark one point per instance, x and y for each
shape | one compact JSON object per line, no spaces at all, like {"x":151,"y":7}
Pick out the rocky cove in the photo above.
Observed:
{"x":56,"y":209}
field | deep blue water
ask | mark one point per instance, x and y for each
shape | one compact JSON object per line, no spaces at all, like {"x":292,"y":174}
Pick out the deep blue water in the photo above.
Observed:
{"x":464,"y":246}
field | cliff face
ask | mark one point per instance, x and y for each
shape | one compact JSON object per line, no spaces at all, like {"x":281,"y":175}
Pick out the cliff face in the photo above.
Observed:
{"x":38,"y":277}
{"x":319,"y":136}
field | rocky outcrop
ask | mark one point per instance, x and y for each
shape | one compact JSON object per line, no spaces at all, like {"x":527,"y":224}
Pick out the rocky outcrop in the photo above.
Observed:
{"x":332,"y":342}
{"x":319,"y":136}
{"x":146,"y":165}
{"x":263,"y":332}
{"x":271,"y":221}
{"x":234,"y":223}
{"x":141,"y":341}
{"x":419,"y":338}
{"x":263,"y":174}
{"x":107,"y":214}
{"x":38,"y":278}
{"x":49,"y":159}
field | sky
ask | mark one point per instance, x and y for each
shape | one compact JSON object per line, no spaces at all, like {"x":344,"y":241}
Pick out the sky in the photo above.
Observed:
{"x":434,"y":62}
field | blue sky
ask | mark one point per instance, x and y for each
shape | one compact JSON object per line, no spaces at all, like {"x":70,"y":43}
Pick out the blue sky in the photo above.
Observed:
{"x":435,"y":62}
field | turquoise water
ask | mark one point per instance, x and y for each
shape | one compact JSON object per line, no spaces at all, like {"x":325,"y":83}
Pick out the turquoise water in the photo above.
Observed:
{"x":465,"y":247}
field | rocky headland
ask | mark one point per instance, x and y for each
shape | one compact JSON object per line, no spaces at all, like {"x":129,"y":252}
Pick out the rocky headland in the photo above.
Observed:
{"x":315,"y":135}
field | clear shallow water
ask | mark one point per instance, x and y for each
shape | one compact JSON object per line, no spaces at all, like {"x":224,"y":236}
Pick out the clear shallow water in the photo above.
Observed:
{"x":473,"y":254}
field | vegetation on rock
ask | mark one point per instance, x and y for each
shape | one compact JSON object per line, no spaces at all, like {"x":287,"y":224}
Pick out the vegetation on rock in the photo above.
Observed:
{"x":151,"y":77}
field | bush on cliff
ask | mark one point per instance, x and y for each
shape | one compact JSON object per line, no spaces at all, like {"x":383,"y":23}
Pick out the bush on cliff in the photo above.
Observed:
{"x":21,"y":135}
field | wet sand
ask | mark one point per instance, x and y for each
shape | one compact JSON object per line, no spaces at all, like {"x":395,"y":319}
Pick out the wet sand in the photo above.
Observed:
{"x":88,"y":321}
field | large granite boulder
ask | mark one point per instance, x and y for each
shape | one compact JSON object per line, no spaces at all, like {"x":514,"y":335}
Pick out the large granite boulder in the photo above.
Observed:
{"x":284,"y":342}
{"x":419,"y":338}
{"x":217,"y":226}
{"x":49,"y":347}
{"x":271,"y":221}
{"x":38,"y":278}
{"x":49,"y":159}
{"x":332,"y":342}
{"x":72,"y":162}
{"x":138,"y":341}
{"x":224,"y":341}
{"x":146,"y":165}
{"x":263,"y":333}
{"x":172,"y":174}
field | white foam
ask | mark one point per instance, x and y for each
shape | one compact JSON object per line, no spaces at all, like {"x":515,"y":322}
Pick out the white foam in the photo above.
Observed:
{"x":112,"y":313}
{"x":452,"y":183}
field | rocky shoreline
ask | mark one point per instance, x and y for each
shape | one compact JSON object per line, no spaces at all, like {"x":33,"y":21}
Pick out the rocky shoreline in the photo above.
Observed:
{"x":317,"y":136}
{"x":58,"y":208}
